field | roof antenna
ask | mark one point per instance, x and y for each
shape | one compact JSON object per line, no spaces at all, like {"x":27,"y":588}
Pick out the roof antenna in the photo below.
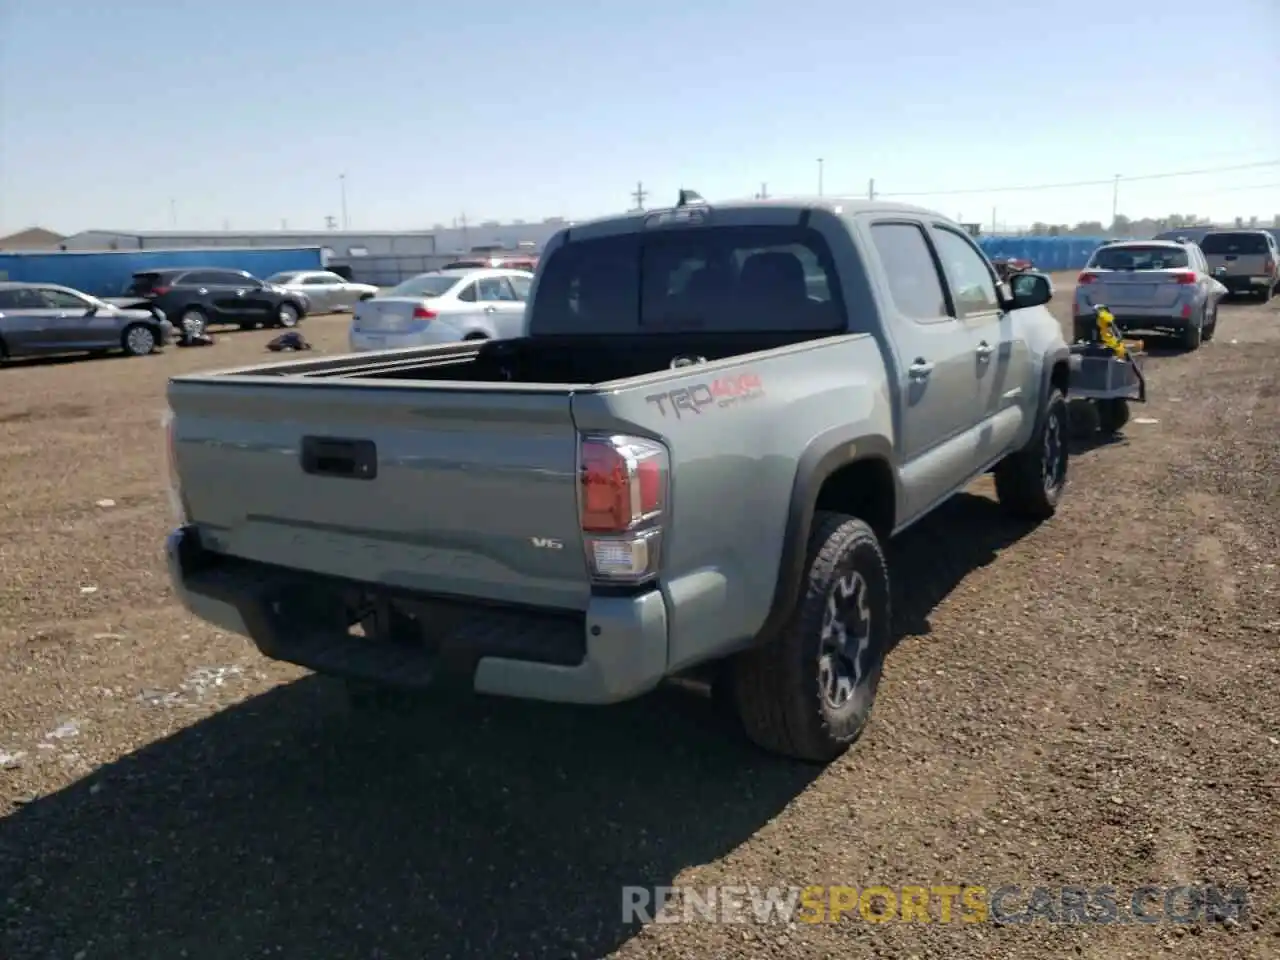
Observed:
{"x":689,"y":198}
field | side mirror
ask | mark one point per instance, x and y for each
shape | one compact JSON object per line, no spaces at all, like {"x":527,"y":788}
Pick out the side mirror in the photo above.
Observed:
{"x":91,"y":310}
{"x":1028,"y":290}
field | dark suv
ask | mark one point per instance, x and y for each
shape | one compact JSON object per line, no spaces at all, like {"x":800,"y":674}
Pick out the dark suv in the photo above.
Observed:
{"x":193,"y":297}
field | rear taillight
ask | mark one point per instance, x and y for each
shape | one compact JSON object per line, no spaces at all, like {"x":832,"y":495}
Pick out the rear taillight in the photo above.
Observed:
{"x":171,"y":457}
{"x":1185,"y":279}
{"x":1086,"y":277}
{"x":422,"y":313}
{"x":159,"y":291}
{"x":1269,"y":265}
{"x":623,"y":501}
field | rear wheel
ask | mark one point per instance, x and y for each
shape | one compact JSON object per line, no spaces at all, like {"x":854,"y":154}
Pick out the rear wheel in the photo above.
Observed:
{"x":808,"y":693}
{"x":476,"y":336}
{"x":192,"y":323}
{"x":1211,"y":325}
{"x":286,"y":316}
{"x":1083,"y":330}
{"x":1192,"y":333}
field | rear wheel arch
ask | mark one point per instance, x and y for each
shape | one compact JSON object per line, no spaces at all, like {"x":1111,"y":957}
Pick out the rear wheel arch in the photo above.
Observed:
{"x":839,"y":471}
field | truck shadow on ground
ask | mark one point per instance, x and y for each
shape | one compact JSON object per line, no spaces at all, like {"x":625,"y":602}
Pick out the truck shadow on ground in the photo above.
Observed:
{"x":464,"y":827}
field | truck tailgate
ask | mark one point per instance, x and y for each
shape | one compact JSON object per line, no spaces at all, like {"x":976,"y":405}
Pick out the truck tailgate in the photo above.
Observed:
{"x":465,"y":492}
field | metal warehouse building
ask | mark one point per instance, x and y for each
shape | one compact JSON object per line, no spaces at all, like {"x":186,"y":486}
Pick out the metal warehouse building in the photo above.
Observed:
{"x":378,"y":256}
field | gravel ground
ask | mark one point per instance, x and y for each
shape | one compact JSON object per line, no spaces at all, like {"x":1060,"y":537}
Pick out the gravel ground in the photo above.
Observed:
{"x":1095,"y":701}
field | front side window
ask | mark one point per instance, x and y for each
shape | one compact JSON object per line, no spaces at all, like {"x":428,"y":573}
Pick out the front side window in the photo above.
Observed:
{"x":63,"y":300}
{"x":972,"y":287}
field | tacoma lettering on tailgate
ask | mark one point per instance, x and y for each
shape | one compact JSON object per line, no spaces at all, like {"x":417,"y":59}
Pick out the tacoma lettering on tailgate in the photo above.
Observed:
{"x":724,"y":392}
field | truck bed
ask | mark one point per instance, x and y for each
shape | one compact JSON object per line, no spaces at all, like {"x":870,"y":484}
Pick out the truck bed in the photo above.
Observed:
{"x":570,"y":361}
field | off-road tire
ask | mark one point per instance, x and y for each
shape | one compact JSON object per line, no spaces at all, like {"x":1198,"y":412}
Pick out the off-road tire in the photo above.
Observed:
{"x":1020,"y":477}
{"x":776,"y":689}
{"x":1210,"y":325}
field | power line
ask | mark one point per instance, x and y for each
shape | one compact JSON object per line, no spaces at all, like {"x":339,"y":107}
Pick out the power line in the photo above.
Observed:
{"x":1252,"y":186}
{"x":1109,"y":181}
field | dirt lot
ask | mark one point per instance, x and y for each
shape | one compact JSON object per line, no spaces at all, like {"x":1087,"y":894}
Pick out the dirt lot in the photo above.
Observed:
{"x":1093,"y":702}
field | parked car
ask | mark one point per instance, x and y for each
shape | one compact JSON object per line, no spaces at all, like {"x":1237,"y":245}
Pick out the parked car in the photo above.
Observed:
{"x":675,"y":468}
{"x":526,"y":263}
{"x":443,"y":306}
{"x":194,"y":297}
{"x":46,"y":318}
{"x":327,"y":292}
{"x":1249,"y":260}
{"x":1160,"y":285}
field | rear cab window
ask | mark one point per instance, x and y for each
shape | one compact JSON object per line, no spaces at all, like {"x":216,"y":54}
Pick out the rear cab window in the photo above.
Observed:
{"x":717,"y":279}
{"x":1234,"y":243}
{"x":1135,"y":257}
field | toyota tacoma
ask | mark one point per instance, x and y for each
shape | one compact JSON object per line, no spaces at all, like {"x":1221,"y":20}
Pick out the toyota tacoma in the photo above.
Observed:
{"x":718,"y":417}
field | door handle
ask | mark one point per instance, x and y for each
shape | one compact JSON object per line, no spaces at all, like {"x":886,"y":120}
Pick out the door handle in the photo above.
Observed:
{"x":490,"y":309}
{"x":985,"y":350}
{"x":920,"y":369}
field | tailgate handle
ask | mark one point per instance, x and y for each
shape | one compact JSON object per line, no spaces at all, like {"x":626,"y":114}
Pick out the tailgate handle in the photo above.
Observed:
{"x":332,"y":457}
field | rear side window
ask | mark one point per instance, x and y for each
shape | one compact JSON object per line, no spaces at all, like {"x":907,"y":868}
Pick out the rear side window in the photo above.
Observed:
{"x":744,"y":279}
{"x":1237,"y":243}
{"x":913,"y":277}
{"x":1141,"y":258}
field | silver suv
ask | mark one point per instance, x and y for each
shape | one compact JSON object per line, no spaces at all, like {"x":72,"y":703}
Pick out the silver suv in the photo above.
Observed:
{"x":1160,"y":285}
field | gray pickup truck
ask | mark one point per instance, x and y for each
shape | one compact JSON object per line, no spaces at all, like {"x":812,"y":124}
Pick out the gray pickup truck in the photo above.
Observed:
{"x":718,"y":417}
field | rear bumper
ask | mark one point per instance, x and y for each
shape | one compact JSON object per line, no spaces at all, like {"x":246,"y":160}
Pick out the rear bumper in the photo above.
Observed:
{"x":361,"y":341}
{"x":617,"y":650}
{"x":1141,"y":318}
{"x":1246,"y":284}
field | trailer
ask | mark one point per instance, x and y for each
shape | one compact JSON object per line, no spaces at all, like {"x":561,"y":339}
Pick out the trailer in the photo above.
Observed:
{"x":106,"y":273}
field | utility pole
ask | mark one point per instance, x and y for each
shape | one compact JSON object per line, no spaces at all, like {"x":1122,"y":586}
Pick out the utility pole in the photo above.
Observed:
{"x":819,"y":176}
{"x":639,"y":195}
{"x":764,"y":192}
{"x":331,"y":223}
{"x":1115,"y":199}
{"x":871,"y":189}
{"x":342,"y":187}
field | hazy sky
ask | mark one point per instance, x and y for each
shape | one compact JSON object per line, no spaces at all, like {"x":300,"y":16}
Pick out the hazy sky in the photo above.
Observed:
{"x":145,"y":112}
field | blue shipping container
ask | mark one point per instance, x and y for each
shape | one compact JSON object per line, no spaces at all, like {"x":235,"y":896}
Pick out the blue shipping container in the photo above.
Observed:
{"x":1047,"y":253}
{"x":106,"y":273}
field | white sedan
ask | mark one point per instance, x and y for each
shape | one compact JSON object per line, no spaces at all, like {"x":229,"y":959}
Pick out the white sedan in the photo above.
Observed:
{"x":443,"y":306}
{"x":327,"y":292}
